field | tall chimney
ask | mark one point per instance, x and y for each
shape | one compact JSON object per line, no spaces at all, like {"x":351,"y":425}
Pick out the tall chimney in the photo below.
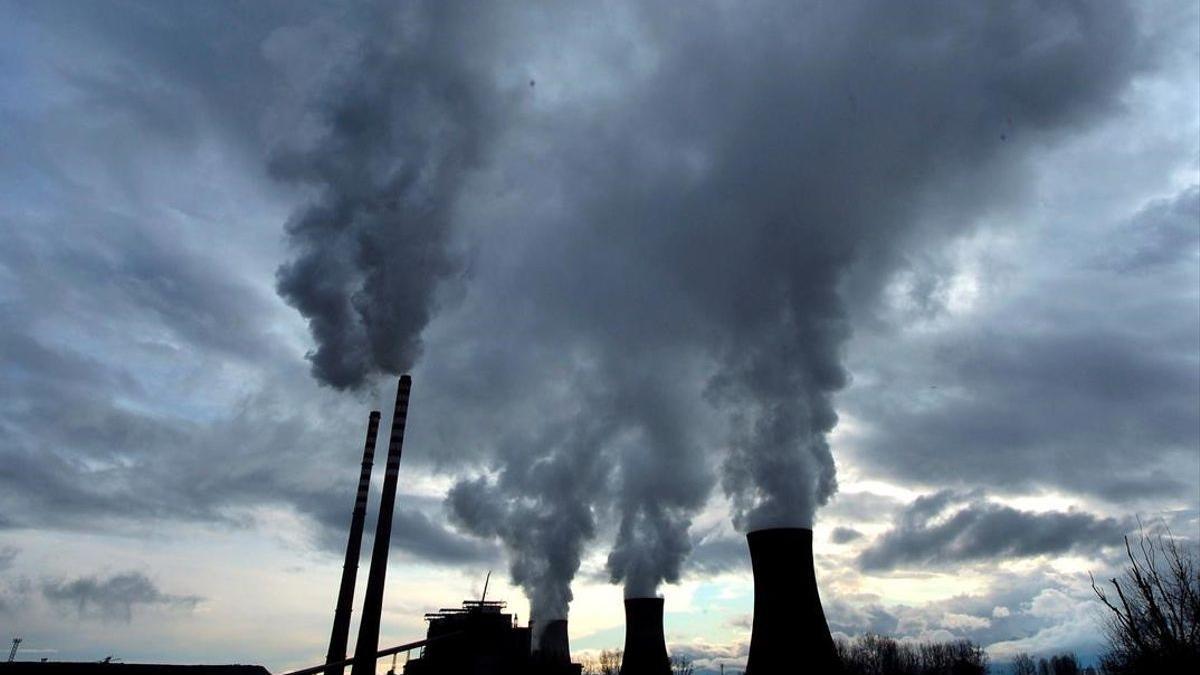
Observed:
{"x":341,"y":615}
{"x":645,"y":645}
{"x":368,"y":627}
{"x":789,"y":624}
{"x":554,"y":647}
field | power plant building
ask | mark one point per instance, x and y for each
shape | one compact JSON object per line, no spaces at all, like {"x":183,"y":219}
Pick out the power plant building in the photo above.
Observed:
{"x":482,"y":639}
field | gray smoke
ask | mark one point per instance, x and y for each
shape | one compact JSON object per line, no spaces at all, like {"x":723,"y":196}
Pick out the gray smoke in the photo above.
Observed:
{"x":829,"y":140}
{"x":661,"y":478}
{"x":540,"y":505}
{"x":400,"y":131}
{"x":670,"y":236}
{"x":622,"y":447}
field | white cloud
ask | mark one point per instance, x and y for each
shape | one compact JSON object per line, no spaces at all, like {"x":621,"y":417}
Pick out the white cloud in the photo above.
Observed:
{"x":964,"y":621}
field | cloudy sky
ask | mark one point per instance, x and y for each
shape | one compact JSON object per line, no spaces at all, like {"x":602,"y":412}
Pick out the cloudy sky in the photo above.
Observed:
{"x":926,"y":279}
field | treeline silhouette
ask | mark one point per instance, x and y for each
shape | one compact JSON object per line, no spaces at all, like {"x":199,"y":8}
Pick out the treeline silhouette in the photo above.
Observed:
{"x":608,"y":662}
{"x":882,"y":655}
{"x":1063,"y":664}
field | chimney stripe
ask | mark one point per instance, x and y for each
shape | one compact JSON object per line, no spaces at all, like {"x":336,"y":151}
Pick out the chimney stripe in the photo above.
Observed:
{"x":368,"y":629}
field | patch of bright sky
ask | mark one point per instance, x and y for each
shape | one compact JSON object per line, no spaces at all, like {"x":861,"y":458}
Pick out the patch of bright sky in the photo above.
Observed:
{"x":692,"y":610}
{"x":1037,"y":503}
{"x":250,"y":613}
{"x":924,"y":588}
{"x":275,"y":611}
{"x":879,"y":487}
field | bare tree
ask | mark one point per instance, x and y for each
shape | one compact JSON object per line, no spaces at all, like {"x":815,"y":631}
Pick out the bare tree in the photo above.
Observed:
{"x":610,"y":661}
{"x":607,"y":663}
{"x":682,"y":665}
{"x":1063,"y":664}
{"x":1153,"y":625}
{"x":882,"y":655}
{"x":1024,"y":664}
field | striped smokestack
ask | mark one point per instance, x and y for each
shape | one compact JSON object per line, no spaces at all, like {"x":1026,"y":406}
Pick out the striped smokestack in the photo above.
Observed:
{"x":645,"y":646}
{"x":341,"y":615}
{"x":368,"y":627}
{"x":789,"y":623}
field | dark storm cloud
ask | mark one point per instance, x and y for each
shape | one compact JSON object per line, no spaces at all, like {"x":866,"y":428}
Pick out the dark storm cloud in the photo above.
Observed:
{"x":417,"y":528}
{"x":640,"y":269}
{"x":172,"y":72}
{"x":717,"y":553}
{"x":1165,"y":233}
{"x":106,"y":463}
{"x":946,"y":528}
{"x":106,"y":295}
{"x":143,"y":371}
{"x":1085,"y":380}
{"x":859,"y":617}
{"x":740,"y":224}
{"x":711,"y":215}
{"x":79,"y":452}
{"x":131,"y":271}
{"x":112,"y":597}
{"x":845,"y":535}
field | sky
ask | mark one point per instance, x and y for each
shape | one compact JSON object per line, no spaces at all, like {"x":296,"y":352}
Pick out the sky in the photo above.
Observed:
{"x":923,"y":278}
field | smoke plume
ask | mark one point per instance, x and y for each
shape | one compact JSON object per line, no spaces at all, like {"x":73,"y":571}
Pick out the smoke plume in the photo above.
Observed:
{"x":400,"y":131}
{"x":669,"y":233}
{"x":661,"y":479}
{"x":540,"y":505}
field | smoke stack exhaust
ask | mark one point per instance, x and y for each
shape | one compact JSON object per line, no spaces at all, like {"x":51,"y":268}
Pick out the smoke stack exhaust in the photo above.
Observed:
{"x":341,"y":615}
{"x":368,"y":628}
{"x":554,"y":647}
{"x":645,"y":644}
{"x":789,"y":623}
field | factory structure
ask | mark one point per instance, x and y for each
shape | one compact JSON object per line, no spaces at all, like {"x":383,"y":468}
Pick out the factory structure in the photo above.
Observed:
{"x":479,"y":638}
{"x":790,"y":634}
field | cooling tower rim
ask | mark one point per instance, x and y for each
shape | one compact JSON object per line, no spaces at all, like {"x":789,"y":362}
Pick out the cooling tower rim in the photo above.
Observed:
{"x":767,"y":531}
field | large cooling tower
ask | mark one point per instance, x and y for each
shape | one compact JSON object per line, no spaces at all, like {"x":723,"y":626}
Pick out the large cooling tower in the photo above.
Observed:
{"x":645,"y":646}
{"x":554,"y":647}
{"x":790,"y":633}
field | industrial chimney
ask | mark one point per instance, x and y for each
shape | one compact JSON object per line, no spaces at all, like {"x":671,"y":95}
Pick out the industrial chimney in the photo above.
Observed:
{"x":554,"y":647}
{"x":645,"y":645}
{"x":341,"y":615}
{"x":789,"y":631}
{"x":368,"y":627}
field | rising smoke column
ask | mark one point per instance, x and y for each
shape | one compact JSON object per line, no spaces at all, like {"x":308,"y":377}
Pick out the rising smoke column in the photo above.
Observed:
{"x":661,"y":478}
{"x":541,"y":506}
{"x":775,"y":167}
{"x":621,"y":446}
{"x":402,"y":128}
